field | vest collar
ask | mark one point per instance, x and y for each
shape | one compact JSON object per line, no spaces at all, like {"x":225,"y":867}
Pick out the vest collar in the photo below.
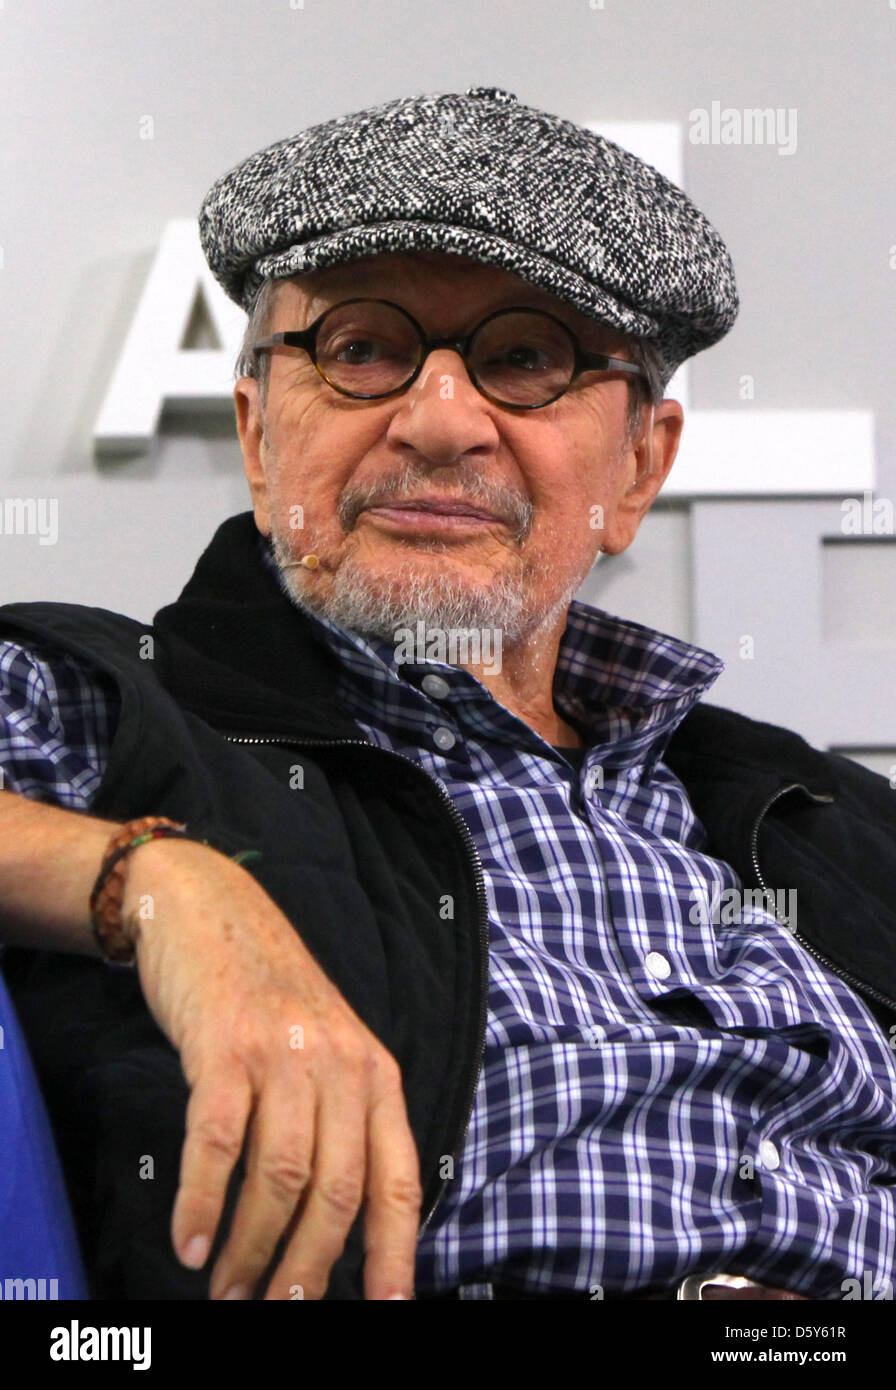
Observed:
{"x":235,"y":650}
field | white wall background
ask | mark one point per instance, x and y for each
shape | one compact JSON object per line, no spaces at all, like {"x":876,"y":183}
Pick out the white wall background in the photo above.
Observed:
{"x":83,"y":200}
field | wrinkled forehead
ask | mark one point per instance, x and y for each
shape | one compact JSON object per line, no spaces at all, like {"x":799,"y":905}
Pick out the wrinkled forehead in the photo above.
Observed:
{"x":444,"y":291}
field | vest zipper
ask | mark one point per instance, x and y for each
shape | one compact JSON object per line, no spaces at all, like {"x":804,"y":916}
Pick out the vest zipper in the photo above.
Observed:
{"x":482,"y":913}
{"x":858,"y":985}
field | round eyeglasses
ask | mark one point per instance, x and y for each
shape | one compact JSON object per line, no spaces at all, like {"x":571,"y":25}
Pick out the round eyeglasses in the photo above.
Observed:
{"x":372,"y":348}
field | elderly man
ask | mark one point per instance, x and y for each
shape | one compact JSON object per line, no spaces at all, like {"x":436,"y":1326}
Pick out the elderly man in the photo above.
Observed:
{"x":434,"y":930}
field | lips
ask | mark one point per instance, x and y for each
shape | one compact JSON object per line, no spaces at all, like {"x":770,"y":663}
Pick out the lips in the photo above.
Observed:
{"x":437,"y":506}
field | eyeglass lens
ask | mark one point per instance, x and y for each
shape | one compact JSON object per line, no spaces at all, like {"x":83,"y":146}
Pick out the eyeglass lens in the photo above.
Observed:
{"x":520,"y":358}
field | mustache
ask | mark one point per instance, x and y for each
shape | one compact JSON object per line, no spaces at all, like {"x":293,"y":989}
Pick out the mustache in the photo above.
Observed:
{"x":516,"y":510}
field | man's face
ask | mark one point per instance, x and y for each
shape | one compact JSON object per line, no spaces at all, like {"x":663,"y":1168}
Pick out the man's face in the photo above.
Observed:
{"x":546,"y":489}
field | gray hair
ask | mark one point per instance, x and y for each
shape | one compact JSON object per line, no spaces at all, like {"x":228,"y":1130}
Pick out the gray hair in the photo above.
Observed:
{"x":643,"y":351}
{"x":647,"y":355}
{"x":249,"y":362}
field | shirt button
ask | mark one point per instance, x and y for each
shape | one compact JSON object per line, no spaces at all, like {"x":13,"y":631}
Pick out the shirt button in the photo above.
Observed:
{"x":436,"y":686}
{"x":658,"y":966}
{"x":769,"y":1156}
{"x":443,"y":738}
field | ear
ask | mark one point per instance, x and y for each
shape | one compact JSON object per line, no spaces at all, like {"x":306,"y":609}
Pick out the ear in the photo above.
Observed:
{"x":250,"y":428}
{"x":644,"y":468}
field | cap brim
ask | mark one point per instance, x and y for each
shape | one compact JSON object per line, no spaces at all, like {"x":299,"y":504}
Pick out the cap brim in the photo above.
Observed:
{"x":353,"y":243}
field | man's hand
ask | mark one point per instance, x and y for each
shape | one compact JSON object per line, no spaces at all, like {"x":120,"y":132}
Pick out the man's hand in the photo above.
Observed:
{"x":277,"y":1060}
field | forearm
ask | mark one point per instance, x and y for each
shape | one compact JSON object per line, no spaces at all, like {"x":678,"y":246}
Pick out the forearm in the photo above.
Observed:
{"x":49,"y":860}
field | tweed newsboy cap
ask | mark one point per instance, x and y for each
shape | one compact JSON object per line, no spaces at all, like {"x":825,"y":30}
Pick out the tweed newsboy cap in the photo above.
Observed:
{"x":481,"y":175}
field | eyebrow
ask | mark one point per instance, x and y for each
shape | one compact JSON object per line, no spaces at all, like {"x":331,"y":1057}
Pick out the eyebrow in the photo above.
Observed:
{"x":593,"y":334}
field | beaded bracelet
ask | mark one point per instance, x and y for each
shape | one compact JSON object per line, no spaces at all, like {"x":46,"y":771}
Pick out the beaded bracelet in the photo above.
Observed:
{"x":108,"y":891}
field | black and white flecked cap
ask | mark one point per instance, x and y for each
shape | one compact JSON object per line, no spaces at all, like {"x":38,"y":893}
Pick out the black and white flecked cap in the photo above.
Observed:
{"x":481,"y":175}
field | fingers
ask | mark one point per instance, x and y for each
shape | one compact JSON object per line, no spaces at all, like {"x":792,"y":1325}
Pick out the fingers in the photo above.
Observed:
{"x":333,"y":1198}
{"x":373,"y":1161}
{"x":394,"y":1195}
{"x":217,"y":1115}
{"x":278,"y":1169}
{"x":321,"y":1142}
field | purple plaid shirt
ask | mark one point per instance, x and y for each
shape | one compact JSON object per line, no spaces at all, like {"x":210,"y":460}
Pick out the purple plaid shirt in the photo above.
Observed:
{"x":658,"y":1095}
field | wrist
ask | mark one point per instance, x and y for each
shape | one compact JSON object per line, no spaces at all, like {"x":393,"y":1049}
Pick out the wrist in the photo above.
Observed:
{"x":112,"y":924}
{"x":165,"y":877}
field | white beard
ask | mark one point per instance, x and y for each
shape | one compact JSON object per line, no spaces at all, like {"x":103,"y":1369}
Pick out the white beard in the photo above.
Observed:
{"x":364,"y":603}
{"x":422,"y":591}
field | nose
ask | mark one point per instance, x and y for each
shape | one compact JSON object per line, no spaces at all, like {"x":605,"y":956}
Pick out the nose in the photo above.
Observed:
{"x":441,"y":416}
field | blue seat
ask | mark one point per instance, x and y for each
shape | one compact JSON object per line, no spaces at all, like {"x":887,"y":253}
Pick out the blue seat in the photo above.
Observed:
{"x":37,"y":1233}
